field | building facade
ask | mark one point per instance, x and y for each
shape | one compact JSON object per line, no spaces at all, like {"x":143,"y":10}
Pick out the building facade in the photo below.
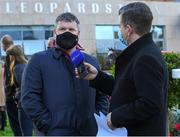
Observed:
{"x":30,"y":23}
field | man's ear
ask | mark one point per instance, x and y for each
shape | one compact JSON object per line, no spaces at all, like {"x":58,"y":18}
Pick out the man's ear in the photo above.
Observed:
{"x":130,"y":29}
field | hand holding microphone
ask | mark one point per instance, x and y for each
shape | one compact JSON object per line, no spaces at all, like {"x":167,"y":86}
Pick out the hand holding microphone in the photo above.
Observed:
{"x":77,"y":59}
{"x":92,"y":72}
{"x":82,"y":69}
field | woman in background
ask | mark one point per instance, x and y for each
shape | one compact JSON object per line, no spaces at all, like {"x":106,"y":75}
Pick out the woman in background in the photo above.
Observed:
{"x":2,"y":99}
{"x":17,"y":65}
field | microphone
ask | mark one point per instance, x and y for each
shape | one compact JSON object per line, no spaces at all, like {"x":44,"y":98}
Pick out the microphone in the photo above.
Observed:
{"x":77,"y":58}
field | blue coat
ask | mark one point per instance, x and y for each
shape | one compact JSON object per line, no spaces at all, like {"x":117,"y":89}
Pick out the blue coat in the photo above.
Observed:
{"x":58,"y":102}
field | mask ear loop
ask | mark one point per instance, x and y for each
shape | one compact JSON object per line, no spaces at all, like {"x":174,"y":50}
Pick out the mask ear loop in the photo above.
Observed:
{"x":126,"y":38}
{"x":129,"y":27}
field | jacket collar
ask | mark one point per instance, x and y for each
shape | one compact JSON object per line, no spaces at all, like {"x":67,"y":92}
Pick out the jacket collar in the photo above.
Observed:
{"x":136,"y":46}
{"x":124,"y":58}
{"x":56,"y":53}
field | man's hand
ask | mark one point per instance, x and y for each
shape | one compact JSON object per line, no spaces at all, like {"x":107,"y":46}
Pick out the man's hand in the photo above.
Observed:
{"x":109,"y":123}
{"x":91,"y":69}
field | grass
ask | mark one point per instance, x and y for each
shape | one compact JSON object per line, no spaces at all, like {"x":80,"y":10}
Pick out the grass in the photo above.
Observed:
{"x":7,"y":131}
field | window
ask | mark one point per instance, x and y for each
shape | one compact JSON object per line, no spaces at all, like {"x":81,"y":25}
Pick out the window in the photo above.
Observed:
{"x":109,"y":37}
{"x":48,"y":32}
{"x":158,"y":36}
{"x":104,"y":32}
{"x":33,"y":46}
{"x":14,"y":33}
{"x":33,"y":33}
{"x":31,"y":38}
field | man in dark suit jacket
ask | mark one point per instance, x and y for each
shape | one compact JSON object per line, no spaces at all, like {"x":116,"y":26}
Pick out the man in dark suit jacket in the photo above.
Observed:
{"x":139,"y":90}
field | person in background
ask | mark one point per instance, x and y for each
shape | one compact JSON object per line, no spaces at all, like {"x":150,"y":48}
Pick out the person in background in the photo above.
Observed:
{"x":17,"y":65}
{"x":10,"y":90}
{"x":2,"y":99}
{"x":58,"y":103}
{"x":139,"y":90}
{"x":51,"y":42}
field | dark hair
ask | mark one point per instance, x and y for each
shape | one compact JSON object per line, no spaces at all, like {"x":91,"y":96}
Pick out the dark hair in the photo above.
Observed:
{"x":138,"y":15}
{"x":67,"y":17}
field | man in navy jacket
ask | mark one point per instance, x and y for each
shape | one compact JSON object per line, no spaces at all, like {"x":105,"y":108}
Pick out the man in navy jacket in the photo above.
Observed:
{"x":57,"y":102}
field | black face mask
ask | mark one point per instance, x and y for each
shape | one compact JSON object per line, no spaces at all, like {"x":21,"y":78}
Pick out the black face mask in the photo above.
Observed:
{"x":67,"y":40}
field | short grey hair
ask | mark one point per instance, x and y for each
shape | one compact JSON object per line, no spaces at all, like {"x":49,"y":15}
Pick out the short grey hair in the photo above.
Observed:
{"x":67,"y":17}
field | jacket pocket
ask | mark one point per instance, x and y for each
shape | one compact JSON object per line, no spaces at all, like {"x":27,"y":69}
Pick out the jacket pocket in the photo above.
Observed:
{"x":64,"y":118}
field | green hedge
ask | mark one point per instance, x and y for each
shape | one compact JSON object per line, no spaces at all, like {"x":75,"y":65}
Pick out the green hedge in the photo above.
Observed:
{"x":173,"y":61}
